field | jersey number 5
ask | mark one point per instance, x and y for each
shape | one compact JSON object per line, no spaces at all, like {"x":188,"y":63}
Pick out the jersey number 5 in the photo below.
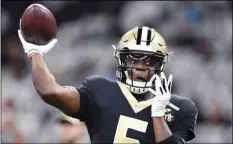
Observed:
{"x":124,"y":124}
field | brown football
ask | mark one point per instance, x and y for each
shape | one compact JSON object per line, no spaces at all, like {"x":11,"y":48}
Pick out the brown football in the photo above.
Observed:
{"x":38,"y":25}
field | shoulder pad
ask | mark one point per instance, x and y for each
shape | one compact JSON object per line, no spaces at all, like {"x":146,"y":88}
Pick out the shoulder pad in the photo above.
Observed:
{"x":188,"y":106}
{"x":94,"y":78}
{"x":95,"y":81}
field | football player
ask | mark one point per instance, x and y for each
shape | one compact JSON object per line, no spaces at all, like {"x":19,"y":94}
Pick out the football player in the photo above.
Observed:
{"x":137,"y":108}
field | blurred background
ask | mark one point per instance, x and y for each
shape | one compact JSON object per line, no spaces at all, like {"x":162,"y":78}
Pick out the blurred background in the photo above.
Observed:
{"x":199,"y":33}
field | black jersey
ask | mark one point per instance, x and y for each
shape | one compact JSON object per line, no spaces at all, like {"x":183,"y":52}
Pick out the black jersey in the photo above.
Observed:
{"x":113,"y":115}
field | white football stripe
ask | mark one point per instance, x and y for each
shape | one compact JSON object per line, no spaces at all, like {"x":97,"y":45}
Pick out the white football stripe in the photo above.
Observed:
{"x":144,"y":34}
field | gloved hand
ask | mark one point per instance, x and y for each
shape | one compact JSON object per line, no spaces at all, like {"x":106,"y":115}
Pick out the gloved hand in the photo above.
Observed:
{"x":162,"y":94}
{"x":31,"y":49}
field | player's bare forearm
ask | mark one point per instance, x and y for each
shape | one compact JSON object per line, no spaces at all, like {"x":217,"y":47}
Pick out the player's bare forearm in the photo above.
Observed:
{"x":64,"y":98}
{"x":161,"y":129}
{"x":43,"y":80}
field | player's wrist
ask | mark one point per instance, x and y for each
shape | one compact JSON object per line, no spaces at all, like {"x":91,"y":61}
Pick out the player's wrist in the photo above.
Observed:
{"x":158,"y":114}
{"x":157,"y":111}
{"x":33,"y":51}
{"x":34,"y":54}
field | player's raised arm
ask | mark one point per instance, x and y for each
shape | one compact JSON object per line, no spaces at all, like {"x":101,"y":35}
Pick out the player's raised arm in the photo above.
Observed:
{"x":182,"y":131}
{"x":161,"y":99}
{"x":64,"y":98}
{"x":37,"y":39}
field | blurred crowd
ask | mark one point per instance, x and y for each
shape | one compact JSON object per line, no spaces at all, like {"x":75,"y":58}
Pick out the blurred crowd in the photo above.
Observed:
{"x":199,"y":33}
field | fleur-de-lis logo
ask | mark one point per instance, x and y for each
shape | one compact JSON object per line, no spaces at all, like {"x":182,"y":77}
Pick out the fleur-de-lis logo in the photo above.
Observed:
{"x":168,"y":116}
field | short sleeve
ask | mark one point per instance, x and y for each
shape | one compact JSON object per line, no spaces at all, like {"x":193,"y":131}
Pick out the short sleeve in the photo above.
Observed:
{"x":186,"y":122}
{"x":86,"y":101}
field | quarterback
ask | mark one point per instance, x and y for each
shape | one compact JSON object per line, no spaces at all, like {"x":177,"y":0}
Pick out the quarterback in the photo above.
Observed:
{"x":137,"y":108}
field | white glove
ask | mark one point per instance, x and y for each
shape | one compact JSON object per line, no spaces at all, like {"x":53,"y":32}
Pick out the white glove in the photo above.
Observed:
{"x":162,"y":95}
{"x":31,"y":49}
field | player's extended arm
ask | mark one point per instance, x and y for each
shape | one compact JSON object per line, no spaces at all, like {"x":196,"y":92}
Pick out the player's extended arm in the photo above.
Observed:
{"x":66,"y":99}
{"x":163,"y":134}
